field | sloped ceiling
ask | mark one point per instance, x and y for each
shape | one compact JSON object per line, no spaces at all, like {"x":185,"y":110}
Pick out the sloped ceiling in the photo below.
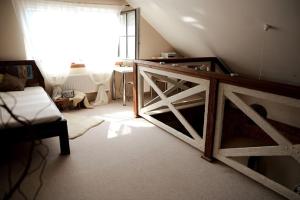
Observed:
{"x":234,"y":31}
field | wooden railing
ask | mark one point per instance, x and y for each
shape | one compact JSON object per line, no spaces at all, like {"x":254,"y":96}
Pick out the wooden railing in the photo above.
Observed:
{"x":214,"y":61}
{"x":220,"y":88}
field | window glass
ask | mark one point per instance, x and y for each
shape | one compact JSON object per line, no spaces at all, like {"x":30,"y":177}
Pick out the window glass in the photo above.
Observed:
{"x":122,"y":47}
{"x":123,"y":25}
{"x":131,"y":23}
{"x":131,"y":48}
{"x":127,"y":42}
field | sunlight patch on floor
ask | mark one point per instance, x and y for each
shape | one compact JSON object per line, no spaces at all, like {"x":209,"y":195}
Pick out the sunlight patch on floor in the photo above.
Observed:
{"x":118,"y":116}
{"x":117,"y":129}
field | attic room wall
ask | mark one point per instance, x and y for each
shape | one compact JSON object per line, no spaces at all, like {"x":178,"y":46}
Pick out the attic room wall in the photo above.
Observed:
{"x":151,"y":42}
{"x":11,"y":39}
{"x":233,"y":30}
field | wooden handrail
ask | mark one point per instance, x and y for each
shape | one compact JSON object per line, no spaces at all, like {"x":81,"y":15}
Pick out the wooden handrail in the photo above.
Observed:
{"x":251,"y":83}
{"x":214,"y":60}
{"x":223,"y":66}
{"x":182,"y":60}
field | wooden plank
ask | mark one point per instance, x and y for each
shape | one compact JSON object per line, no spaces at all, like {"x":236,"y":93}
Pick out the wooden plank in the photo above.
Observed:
{"x":173,"y":98}
{"x":185,"y":123}
{"x":291,"y":150}
{"x":140,"y":93}
{"x":211,"y":116}
{"x":178,"y":115}
{"x":181,"y":95}
{"x":219,"y":120}
{"x":261,"y":122}
{"x":135,"y":90}
{"x":205,"y":113}
{"x":212,"y":66}
{"x":262,"y":85}
{"x":197,"y":144}
{"x":223,"y":66}
{"x":286,"y":192}
{"x":184,"y":106}
{"x":173,"y":82}
{"x":167,"y":92}
{"x":256,"y":151}
{"x":175,"y":75}
{"x":153,"y":106}
{"x":266,"y":96}
{"x":183,"y":60}
{"x":295,"y":152}
{"x":213,"y":60}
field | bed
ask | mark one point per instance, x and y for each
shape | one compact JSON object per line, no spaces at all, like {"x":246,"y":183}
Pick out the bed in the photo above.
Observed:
{"x":33,"y":106}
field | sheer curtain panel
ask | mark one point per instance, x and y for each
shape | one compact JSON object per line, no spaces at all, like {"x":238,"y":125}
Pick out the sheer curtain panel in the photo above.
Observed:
{"x":57,"y":34}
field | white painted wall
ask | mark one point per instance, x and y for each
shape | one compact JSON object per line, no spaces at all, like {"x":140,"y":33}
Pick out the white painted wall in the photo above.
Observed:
{"x":233,"y":30}
{"x":151,"y":42}
{"x":11,"y":38}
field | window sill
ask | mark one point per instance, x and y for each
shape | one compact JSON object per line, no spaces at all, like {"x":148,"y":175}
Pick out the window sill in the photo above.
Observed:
{"x":78,"y":71}
{"x":75,"y":66}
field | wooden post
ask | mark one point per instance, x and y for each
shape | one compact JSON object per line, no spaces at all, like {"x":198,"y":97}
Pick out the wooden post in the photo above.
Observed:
{"x":135,"y":90}
{"x":64,"y":139}
{"x":211,"y":119}
{"x":212,"y":66}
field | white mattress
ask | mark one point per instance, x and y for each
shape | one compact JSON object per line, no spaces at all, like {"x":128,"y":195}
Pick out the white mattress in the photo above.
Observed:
{"x":33,"y":104}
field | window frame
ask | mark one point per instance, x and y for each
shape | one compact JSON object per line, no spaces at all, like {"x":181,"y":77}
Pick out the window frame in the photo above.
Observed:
{"x":136,"y":36}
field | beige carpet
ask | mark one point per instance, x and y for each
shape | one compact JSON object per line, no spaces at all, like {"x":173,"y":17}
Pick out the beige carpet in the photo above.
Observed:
{"x":130,"y":159}
{"x":78,"y":124}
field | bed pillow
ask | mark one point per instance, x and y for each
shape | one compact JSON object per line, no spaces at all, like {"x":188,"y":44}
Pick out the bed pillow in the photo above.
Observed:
{"x":19,"y":71}
{"x":11,"y":83}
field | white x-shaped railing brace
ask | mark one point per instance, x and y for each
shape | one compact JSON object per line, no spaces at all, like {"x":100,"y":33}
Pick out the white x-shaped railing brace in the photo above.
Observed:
{"x":284,"y":148}
{"x":167,"y":101}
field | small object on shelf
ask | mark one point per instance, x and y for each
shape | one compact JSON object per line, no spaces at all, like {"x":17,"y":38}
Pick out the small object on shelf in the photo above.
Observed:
{"x":68,"y":94}
{"x":168,"y":54}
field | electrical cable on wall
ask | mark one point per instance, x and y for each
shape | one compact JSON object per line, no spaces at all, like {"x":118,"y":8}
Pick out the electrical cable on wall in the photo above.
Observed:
{"x":267,"y":27}
{"x":261,"y":57}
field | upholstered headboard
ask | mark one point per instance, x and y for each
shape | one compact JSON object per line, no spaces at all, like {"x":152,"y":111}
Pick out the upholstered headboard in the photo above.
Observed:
{"x":34,"y":76}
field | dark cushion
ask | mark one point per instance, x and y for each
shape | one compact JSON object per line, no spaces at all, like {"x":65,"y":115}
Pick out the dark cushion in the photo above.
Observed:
{"x":19,"y":71}
{"x":11,"y":83}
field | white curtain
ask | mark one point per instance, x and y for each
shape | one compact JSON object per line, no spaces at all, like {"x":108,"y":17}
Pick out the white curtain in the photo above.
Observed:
{"x":59,"y":33}
{"x":101,"y":77}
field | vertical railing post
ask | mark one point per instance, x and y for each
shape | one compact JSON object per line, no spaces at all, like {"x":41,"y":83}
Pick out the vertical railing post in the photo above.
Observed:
{"x":135,"y":90}
{"x":212,"y":66}
{"x":211,"y":119}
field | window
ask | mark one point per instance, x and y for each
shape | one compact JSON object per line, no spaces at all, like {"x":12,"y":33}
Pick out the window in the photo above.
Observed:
{"x":128,"y":35}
